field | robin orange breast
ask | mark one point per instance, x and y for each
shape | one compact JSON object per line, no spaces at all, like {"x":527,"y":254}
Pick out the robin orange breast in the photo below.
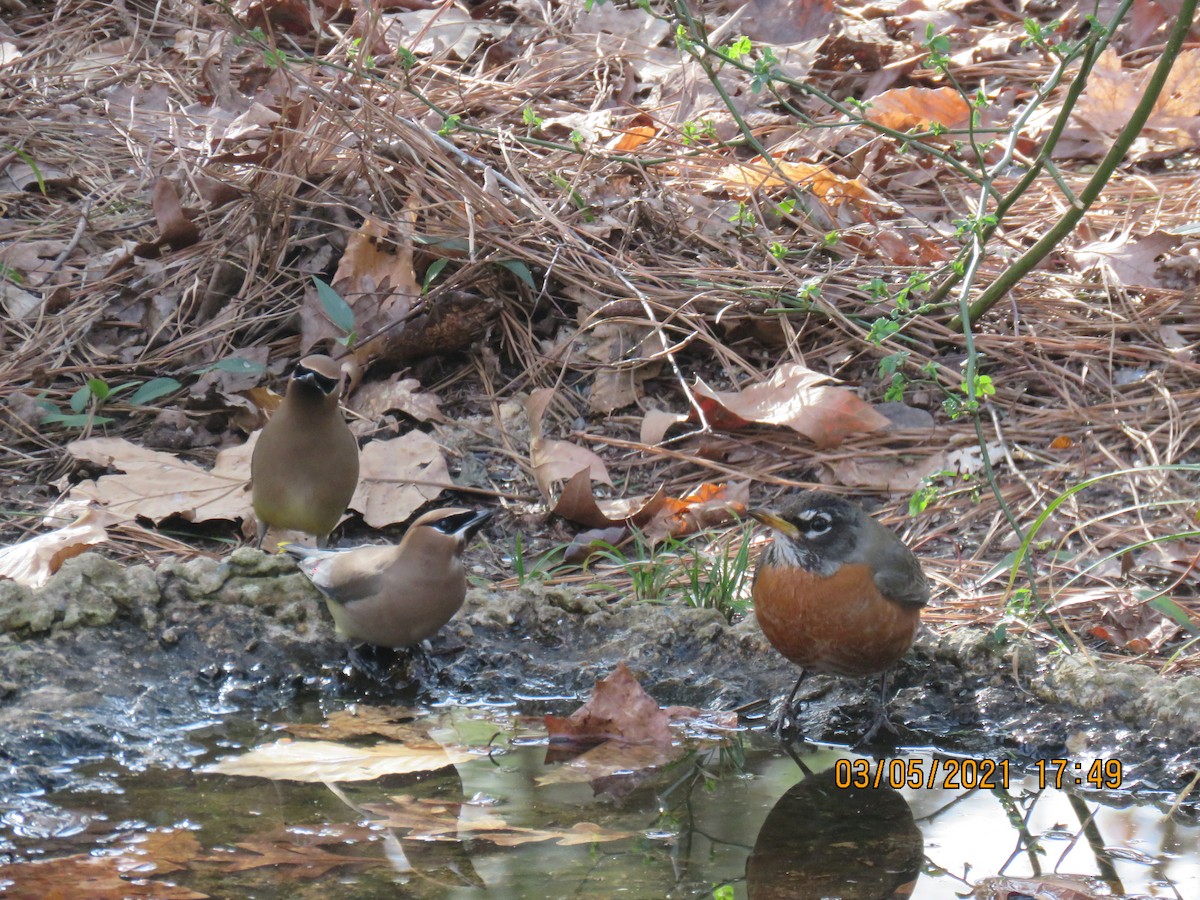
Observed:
{"x":836,"y":592}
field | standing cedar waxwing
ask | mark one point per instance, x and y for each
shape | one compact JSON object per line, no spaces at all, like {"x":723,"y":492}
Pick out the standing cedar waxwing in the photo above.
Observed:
{"x":305,"y":465}
{"x":396,"y":595}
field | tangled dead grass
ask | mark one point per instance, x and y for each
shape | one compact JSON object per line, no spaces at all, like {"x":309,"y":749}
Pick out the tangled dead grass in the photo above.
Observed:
{"x":278,"y":160}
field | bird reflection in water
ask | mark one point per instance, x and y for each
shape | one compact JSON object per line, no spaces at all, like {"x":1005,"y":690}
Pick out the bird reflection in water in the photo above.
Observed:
{"x":823,"y":841}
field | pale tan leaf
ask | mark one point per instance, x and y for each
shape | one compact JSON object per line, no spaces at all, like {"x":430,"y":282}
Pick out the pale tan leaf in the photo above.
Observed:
{"x":317,"y":761}
{"x":32,"y":562}
{"x":157,"y":485}
{"x":656,"y":423}
{"x":397,"y":477}
{"x":377,"y":398}
{"x":896,"y":474}
{"x":554,"y":460}
{"x":795,"y":396}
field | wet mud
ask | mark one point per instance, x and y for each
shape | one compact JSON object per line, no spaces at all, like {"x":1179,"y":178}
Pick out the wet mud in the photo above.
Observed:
{"x":117,"y":663}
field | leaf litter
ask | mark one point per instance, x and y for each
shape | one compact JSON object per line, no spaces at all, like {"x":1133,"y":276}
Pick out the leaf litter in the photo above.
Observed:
{"x":268,"y":183}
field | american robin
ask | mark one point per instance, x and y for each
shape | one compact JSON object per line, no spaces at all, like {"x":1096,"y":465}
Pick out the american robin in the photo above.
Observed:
{"x":836,"y":592}
{"x":396,"y":595}
{"x":304,"y":468}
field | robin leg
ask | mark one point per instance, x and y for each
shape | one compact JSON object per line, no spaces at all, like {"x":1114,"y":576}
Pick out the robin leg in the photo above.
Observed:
{"x":262,"y":533}
{"x":881,"y":721}
{"x":784,"y":719}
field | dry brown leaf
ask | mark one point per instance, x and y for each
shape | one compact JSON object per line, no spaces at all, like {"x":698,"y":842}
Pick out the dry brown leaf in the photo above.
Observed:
{"x":94,"y":877}
{"x":397,"y":477}
{"x":641,"y":128}
{"x":708,"y":506}
{"x":897,"y":473}
{"x":317,"y":761}
{"x":578,"y":504}
{"x":656,"y":423}
{"x":742,"y":179}
{"x":157,"y":485}
{"x":32,"y":562}
{"x":375,"y":399}
{"x":428,"y":820}
{"x":785,"y":22}
{"x":174,"y":228}
{"x":1112,"y":92}
{"x":796,"y":397}
{"x":617,"y":710}
{"x":1132,"y":261}
{"x":905,"y":109}
{"x":553,"y":460}
{"x":375,"y":277}
{"x":310,"y":861}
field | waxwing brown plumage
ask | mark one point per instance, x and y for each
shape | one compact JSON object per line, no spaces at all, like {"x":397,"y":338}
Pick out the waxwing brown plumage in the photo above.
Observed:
{"x":396,"y":595}
{"x":304,"y":468}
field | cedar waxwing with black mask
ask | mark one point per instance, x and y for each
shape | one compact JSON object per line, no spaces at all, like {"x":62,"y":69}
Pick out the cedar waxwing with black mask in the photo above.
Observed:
{"x":305,"y":465}
{"x":396,"y":595}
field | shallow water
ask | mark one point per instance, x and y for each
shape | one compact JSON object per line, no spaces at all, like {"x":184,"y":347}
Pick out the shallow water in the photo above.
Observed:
{"x":728,"y":816}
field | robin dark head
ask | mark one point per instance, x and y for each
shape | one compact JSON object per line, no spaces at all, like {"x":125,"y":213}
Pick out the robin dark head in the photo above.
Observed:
{"x":836,"y":592}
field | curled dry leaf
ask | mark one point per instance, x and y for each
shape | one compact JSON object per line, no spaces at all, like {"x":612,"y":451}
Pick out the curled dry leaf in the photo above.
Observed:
{"x":374,"y":400}
{"x":553,"y":460}
{"x":618,"y":710}
{"x":157,"y":485}
{"x":33,"y":561}
{"x":794,"y":396}
{"x":657,"y":517}
{"x":397,"y":477}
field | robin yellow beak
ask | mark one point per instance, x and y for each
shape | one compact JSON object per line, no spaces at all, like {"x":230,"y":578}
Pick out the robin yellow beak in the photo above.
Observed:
{"x":783,"y":526}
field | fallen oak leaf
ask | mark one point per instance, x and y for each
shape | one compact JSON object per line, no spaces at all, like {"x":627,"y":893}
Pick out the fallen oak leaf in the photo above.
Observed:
{"x":157,"y":485}
{"x":554,"y":460}
{"x":619,"y":709}
{"x":397,"y":477}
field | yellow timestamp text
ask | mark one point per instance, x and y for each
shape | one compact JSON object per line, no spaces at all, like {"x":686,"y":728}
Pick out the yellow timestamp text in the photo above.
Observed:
{"x":951,"y":773}
{"x":1102,"y":774}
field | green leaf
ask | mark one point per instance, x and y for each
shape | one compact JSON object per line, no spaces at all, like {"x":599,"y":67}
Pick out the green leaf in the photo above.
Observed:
{"x":338,"y":310}
{"x":78,"y":421}
{"x":519,"y":269}
{"x":1175,"y":613}
{"x":153,"y":389}
{"x":79,"y":399}
{"x":236,"y":365}
{"x":434,"y":270}
{"x":99,"y":388}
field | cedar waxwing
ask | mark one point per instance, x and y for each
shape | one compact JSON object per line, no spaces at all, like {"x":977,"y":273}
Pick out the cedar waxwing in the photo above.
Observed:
{"x":305,"y":465}
{"x":396,"y":595}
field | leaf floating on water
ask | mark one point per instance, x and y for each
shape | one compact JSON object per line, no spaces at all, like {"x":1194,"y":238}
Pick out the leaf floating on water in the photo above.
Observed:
{"x":619,"y":709}
{"x":321,"y":761}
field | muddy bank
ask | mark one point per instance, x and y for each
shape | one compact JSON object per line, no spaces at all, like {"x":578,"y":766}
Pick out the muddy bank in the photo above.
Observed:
{"x":125,"y":664}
